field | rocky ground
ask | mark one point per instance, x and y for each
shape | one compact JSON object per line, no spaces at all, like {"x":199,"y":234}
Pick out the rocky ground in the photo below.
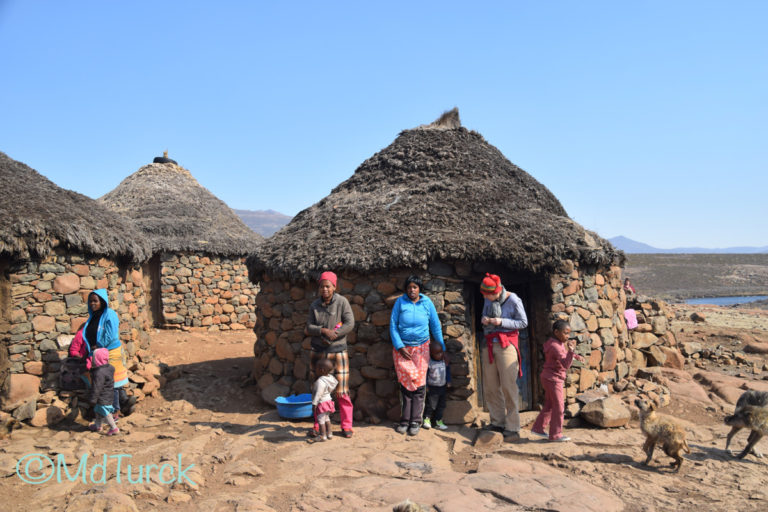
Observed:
{"x":246,"y":458}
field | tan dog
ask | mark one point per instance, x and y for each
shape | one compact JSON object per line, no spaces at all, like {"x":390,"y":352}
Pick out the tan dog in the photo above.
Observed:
{"x":661,"y":429}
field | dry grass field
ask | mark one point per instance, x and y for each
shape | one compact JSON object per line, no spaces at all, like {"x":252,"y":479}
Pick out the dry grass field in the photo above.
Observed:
{"x":682,"y":276}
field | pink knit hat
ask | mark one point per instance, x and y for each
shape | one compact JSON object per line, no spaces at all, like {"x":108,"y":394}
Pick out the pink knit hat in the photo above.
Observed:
{"x":328,"y":276}
{"x":100,"y":356}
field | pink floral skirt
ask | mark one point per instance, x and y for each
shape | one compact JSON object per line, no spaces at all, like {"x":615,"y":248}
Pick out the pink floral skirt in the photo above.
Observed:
{"x":412,"y":374}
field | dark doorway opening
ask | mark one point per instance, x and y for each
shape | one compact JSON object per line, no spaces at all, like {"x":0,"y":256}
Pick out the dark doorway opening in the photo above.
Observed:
{"x":152,"y":285}
{"x":531,"y":290}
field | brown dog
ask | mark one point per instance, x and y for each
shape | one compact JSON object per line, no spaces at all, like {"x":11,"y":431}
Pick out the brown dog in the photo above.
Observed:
{"x":661,"y":429}
{"x":753,"y":418}
{"x":748,"y":398}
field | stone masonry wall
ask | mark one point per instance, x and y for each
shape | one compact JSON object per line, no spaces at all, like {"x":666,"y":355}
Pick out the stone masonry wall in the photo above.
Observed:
{"x":206,"y":291}
{"x":592,"y":300}
{"x":282,"y":350}
{"x":48,"y":304}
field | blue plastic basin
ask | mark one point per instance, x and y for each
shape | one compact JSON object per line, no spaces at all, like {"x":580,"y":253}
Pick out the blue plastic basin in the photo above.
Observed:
{"x":294,"y":406}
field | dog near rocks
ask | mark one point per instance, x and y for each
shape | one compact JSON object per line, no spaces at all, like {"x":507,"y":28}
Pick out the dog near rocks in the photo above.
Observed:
{"x":748,"y":398}
{"x":663,"y":430}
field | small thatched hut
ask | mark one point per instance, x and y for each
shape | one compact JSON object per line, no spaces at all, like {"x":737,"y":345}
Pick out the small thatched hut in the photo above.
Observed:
{"x":56,"y":246}
{"x":441,"y":202}
{"x":197,"y":272}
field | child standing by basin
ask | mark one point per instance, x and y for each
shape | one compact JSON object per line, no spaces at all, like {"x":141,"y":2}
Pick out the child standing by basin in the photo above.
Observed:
{"x":322,"y":403}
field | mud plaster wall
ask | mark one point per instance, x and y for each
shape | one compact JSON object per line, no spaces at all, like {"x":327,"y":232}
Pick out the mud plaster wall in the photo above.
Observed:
{"x":48,"y":304}
{"x":206,"y":291}
{"x":282,"y":350}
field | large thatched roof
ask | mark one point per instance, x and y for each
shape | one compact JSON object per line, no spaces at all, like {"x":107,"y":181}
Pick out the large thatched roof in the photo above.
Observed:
{"x":178,"y":214}
{"x":437,"y":192}
{"x":36,"y":216}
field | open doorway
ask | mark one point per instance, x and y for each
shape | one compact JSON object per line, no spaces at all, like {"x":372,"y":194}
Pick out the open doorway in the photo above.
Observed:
{"x":153,"y":289}
{"x":531,"y":293}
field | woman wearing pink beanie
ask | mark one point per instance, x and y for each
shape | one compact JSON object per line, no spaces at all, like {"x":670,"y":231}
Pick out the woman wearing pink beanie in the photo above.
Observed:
{"x":330,"y":320}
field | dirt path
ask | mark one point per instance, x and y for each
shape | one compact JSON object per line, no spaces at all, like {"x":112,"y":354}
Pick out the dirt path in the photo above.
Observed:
{"x":246,"y":458}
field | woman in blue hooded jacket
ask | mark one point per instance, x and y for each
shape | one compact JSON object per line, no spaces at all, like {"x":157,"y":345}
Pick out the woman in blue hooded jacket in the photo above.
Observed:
{"x":102,"y":330}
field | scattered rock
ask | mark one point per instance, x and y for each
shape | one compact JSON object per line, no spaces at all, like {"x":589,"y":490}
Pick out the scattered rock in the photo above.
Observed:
{"x":607,"y":412}
{"x":488,"y":440}
{"x":108,"y":501}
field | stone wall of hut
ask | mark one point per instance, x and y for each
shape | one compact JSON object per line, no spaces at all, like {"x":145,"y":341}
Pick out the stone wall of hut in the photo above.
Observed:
{"x":206,"y":291}
{"x":591,"y":298}
{"x":46,"y":304}
{"x":282,"y":350}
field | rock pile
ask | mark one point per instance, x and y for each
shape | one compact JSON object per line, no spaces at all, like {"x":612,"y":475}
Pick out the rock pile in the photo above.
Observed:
{"x":651,"y":346}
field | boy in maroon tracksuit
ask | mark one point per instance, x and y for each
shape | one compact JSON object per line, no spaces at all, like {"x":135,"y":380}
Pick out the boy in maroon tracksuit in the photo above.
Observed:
{"x":558,"y":355}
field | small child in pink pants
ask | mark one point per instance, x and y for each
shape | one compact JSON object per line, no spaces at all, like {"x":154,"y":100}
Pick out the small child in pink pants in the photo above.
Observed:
{"x":558,"y":356}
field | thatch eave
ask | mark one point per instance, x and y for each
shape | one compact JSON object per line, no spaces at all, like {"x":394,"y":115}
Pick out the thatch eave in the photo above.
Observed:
{"x":178,"y":214}
{"x":438,"y":192}
{"x":37,"y":216}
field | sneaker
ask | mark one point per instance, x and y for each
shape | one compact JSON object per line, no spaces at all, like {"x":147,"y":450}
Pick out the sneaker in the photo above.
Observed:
{"x":414,"y":429}
{"x":113,"y":431}
{"x":563,"y":439}
{"x":511,"y":437}
{"x":93,"y":428}
{"x":440,"y":425}
{"x":347,"y":433}
{"x":539,"y":434}
{"x":427,"y":424}
{"x":401,"y":429}
{"x":330,"y":435}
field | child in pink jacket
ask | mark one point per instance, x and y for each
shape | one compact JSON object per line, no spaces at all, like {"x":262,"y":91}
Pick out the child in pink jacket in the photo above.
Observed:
{"x":558,"y":356}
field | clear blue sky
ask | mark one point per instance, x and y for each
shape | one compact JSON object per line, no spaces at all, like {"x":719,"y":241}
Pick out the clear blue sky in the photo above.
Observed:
{"x":647,"y":119}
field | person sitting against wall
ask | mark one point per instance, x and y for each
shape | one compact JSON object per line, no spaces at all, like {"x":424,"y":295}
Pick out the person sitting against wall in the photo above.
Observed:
{"x":330,"y":320}
{"x":628,"y":288}
{"x":414,"y":318}
{"x":102,"y":330}
{"x":503,"y":316}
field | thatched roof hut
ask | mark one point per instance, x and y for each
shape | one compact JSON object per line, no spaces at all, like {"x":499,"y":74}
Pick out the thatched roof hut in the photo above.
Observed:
{"x":441,"y":202}
{"x":36,"y":216}
{"x":438,"y":192}
{"x":178,"y":214}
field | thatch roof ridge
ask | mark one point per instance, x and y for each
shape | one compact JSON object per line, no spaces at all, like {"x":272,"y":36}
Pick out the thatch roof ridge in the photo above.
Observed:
{"x":178,"y":214}
{"x":433,"y":194}
{"x":36,"y":215}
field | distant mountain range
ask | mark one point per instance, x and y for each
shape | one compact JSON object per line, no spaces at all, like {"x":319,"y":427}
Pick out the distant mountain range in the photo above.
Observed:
{"x":634,"y":247}
{"x":264,"y":222}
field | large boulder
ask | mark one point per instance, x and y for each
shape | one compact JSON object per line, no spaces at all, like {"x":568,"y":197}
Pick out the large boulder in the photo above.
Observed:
{"x":47,"y":416}
{"x":607,"y":412}
{"x":674,"y":359}
{"x":20,"y":388}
